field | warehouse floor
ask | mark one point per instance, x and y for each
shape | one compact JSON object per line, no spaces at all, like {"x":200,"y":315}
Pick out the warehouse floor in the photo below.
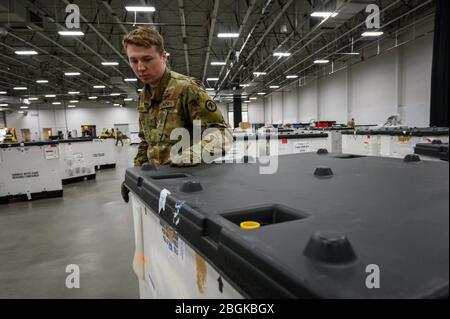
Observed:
{"x":90,"y":226}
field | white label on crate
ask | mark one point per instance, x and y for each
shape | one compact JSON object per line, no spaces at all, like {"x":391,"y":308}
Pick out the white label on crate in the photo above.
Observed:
{"x":175,"y":245}
{"x":162,"y":200}
{"x":24,"y":175}
{"x":51,"y":152}
{"x":302,"y":147}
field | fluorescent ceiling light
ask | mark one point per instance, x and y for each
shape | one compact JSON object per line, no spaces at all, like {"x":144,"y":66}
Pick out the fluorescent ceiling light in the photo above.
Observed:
{"x":71,"y":33}
{"x":24,"y":107}
{"x":259,"y":73}
{"x":73,"y":92}
{"x":4,"y":104}
{"x":110,"y":63}
{"x":24,"y":52}
{"x":71,"y":106}
{"x":33,"y":98}
{"x":291,"y":76}
{"x":140,"y":9}
{"x":41,"y":81}
{"x":349,"y":53}
{"x":130,"y":80}
{"x":282,"y":54}
{"x":21,"y":112}
{"x":18,"y":88}
{"x":92,"y":97}
{"x":372,"y":34}
{"x":56,"y":103}
{"x":244,"y":85}
{"x":167,"y":54}
{"x":324,"y":14}
{"x":274,"y":87}
{"x":209,"y":89}
{"x":74,"y":101}
{"x":218,"y":63}
{"x":247,"y":101}
{"x":116,"y":104}
{"x":2,"y":92}
{"x":261,"y":93}
{"x":71,"y":73}
{"x":212,"y":79}
{"x":99,"y":86}
{"x":50,"y":95}
{"x":253,"y":98}
{"x":228,"y":35}
{"x":114,"y":94}
{"x":321,"y":61}
{"x":139,"y":90}
{"x":128,"y":99}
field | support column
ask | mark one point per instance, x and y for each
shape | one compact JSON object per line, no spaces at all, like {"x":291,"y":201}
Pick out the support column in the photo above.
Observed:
{"x":237,"y":110}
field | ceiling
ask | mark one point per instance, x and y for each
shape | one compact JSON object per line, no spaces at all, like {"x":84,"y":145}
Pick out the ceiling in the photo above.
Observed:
{"x":190,"y":29}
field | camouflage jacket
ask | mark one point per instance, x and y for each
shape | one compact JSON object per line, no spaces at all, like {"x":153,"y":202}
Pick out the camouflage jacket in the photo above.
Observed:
{"x":175,"y":103}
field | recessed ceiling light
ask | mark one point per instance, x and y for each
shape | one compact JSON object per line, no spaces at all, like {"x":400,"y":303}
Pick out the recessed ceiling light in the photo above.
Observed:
{"x":372,"y":34}
{"x":71,"y":33}
{"x":110,"y":63}
{"x":24,"y":52}
{"x":140,"y":9}
{"x":228,"y":35}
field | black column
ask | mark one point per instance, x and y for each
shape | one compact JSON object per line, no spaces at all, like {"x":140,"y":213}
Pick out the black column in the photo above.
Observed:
{"x":439,"y":77}
{"x":237,"y":110}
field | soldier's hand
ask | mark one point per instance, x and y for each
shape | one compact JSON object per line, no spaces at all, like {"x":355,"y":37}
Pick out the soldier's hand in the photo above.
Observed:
{"x":125,"y":191}
{"x":186,"y":158}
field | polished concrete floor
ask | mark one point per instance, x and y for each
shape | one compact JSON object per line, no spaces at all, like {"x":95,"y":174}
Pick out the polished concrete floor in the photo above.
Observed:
{"x":90,"y":226}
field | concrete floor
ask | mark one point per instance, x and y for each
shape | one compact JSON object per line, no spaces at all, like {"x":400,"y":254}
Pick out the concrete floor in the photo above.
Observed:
{"x":90,"y":226}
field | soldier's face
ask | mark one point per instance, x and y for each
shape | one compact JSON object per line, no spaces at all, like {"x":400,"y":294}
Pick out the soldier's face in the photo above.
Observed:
{"x":147,"y":63}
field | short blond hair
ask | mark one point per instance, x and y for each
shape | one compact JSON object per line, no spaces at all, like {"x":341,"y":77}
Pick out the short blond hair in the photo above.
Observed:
{"x":144,"y":37}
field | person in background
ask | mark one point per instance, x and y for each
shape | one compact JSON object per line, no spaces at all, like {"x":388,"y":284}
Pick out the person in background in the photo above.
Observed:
{"x":119,"y":137}
{"x":351,"y":123}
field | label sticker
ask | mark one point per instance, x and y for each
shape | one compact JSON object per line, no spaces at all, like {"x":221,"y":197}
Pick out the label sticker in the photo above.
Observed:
{"x":162,"y":200}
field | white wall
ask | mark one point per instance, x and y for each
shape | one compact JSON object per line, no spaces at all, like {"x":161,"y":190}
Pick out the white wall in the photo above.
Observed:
{"x":256,"y":111}
{"x":396,"y":81}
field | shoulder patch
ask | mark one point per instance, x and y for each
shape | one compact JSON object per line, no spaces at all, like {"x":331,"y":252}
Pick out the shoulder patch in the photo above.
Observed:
{"x":211,"y":106}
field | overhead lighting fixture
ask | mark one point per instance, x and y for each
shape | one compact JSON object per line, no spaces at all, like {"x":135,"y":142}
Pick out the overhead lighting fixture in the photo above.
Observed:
{"x":261,"y":93}
{"x":24,"y":52}
{"x":114,"y":94}
{"x":74,"y":101}
{"x":4,"y":104}
{"x":110,"y":63}
{"x":33,"y":98}
{"x":253,"y":98}
{"x":71,"y":33}
{"x":56,"y":103}
{"x":41,"y":81}
{"x":92,"y":97}
{"x":167,"y":54}
{"x":128,"y":99}
{"x":140,"y":9}
{"x":209,"y":89}
{"x":324,"y":14}
{"x":24,"y":107}
{"x":71,"y":106}
{"x":274,"y":87}
{"x":71,"y":73}
{"x":291,"y":76}
{"x":247,"y":101}
{"x":21,"y":112}
{"x":244,"y":85}
{"x":228,"y":35}
{"x":50,"y":95}
{"x":348,"y":53}
{"x":73,"y":92}
{"x":218,"y":63}
{"x":130,"y":80}
{"x":212,"y":79}
{"x":2,"y":92}
{"x":19,"y":88}
{"x":99,"y":86}
{"x":372,"y":34}
{"x":116,"y":104}
{"x":282,"y":54}
{"x":259,"y":73}
{"x":139,"y":90}
{"x":321,"y":61}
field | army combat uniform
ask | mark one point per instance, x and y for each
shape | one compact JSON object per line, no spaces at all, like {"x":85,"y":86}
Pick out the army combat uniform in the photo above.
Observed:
{"x":176,"y":103}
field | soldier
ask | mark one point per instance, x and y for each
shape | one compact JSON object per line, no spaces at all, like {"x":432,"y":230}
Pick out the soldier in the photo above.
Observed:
{"x":119,"y":137}
{"x":170,"y":100}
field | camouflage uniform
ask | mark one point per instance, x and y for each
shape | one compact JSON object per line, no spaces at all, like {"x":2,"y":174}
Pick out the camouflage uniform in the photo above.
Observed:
{"x":175,"y":103}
